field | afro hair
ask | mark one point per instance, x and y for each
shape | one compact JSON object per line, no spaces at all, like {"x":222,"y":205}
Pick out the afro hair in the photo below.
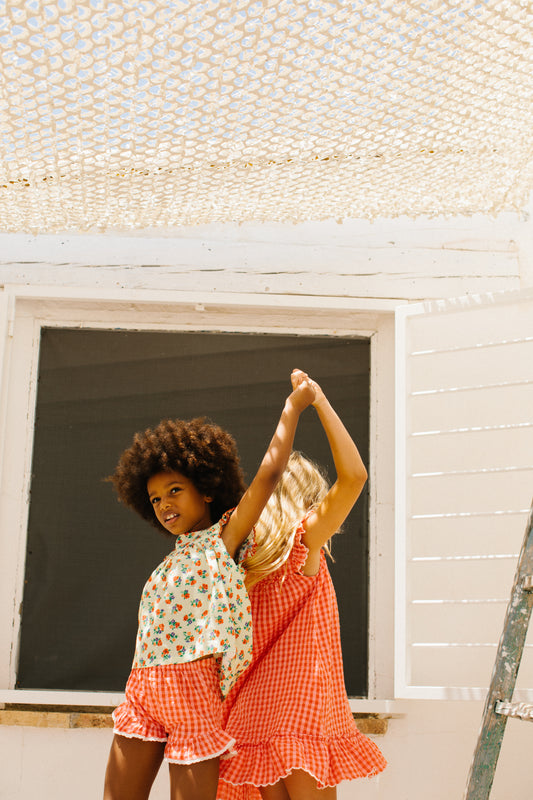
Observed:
{"x":200,"y":450}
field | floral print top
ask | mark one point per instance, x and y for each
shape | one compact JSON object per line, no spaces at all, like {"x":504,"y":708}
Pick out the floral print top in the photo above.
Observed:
{"x":195,"y":604}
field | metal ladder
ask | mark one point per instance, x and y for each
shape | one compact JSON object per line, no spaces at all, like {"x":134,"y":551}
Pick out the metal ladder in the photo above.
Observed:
{"x":499,"y":705}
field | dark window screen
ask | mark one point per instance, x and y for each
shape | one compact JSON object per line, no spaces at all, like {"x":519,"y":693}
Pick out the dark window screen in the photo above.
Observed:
{"x":88,"y":557}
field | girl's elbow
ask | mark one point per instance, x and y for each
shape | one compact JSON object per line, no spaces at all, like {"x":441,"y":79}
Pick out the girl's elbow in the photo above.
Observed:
{"x":359,"y":477}
{"x":353,"y":482}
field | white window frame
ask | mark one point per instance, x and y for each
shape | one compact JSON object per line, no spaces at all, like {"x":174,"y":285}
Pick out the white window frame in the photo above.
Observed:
{"x":24,"y":310}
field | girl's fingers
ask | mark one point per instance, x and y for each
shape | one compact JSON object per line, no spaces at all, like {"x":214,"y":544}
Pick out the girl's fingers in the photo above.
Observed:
{"x":305,"y":393}
{"x":297,"y":377}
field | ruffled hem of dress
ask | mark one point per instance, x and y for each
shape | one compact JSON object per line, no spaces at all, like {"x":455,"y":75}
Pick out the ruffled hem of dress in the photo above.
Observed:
{"x":329,"y":761}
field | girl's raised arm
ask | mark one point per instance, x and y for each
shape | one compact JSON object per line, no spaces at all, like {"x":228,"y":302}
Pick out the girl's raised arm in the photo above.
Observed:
{"x":328,"y":517}
{"x":270,"y":470}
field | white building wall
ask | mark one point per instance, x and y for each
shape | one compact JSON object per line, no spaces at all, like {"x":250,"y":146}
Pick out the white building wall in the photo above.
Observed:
{"x":429,"y":748}
{"x":429,"y":744}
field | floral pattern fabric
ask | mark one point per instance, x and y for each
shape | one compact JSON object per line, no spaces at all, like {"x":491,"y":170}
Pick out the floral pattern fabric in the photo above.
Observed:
{"x":195,"y":604}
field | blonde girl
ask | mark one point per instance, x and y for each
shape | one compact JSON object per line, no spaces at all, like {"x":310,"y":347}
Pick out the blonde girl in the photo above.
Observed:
{"x":194,"y":636}
{"x":289,"y":713}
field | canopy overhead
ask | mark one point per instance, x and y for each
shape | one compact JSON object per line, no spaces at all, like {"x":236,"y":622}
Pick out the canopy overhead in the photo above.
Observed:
{"x":146,"y":113}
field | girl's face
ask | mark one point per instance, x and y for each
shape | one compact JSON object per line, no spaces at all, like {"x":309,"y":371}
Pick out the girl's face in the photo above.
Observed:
{"x":177,"y":504}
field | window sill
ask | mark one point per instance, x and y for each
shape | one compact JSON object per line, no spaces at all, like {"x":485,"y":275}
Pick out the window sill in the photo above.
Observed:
{"x":51,"y":717}
{"x":60,"y":717}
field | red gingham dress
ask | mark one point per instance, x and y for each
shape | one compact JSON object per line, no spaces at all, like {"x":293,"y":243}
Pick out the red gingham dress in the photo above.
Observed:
{"x":290,"y":710}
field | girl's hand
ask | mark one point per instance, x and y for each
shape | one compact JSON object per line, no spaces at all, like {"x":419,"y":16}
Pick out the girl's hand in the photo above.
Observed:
{"x":271,"y":468}
{"x":298,"y":377}
{"x":303,"y":394}
{"x":329,"y":515}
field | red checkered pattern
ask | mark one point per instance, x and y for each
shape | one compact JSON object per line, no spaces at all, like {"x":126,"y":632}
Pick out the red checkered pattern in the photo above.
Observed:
{"x":179,"y":704}
{"x":290,"y":709}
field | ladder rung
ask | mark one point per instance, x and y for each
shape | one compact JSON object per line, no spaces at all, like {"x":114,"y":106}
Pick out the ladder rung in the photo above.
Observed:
{"x":521,"y":710}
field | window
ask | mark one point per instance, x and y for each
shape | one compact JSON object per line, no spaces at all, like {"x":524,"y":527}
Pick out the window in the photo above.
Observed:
{"x":87,"y":558}
{"x":83,"y":388}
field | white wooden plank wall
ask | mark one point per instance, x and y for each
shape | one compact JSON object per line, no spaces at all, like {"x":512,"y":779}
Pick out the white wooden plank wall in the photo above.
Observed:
{"x":404,"y":259}
{"x":469,"y":485}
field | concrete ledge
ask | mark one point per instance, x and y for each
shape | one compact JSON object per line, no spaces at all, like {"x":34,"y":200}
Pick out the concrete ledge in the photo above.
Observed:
{"x":45,"y":717}
{"x":371,"y":724}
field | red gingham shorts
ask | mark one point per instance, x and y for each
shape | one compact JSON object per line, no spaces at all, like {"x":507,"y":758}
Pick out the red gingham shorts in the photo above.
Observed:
{"x":179,"y":704}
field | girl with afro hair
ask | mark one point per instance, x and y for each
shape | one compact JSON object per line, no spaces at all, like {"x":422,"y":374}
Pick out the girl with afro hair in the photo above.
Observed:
{"x":194,"y":637}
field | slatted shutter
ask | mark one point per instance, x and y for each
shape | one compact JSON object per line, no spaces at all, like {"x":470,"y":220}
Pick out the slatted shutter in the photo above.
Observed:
{"x":464,"y":468}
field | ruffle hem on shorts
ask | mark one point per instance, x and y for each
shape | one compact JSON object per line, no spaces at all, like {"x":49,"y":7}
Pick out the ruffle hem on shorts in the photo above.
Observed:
{"x":206,"y":745}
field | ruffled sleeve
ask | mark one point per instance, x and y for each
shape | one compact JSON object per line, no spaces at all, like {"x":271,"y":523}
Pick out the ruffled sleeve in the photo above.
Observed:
{"x":298,"y":555}
{"x":247,"y":548}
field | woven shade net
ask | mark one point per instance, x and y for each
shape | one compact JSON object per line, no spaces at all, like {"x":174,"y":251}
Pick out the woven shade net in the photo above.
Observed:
{"x":120,"y":115}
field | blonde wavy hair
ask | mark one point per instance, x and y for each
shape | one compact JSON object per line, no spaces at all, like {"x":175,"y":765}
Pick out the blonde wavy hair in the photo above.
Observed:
{"x":301,"y":488}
